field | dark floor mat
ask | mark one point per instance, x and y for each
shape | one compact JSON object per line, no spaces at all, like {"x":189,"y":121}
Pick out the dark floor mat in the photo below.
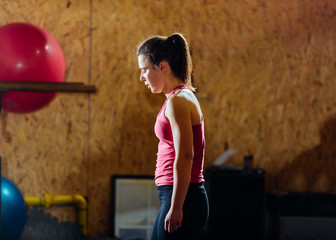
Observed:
{"x":43,"y":226}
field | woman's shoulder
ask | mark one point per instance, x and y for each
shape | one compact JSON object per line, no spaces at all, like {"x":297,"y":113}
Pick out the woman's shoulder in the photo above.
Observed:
{"x":183,"y":100}
{"x":184,"y":103}
{"x":184,"y":94}
{"x":182,"y":97}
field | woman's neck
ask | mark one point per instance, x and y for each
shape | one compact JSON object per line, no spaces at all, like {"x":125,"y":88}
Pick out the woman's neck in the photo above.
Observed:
{"x":171,"y":85}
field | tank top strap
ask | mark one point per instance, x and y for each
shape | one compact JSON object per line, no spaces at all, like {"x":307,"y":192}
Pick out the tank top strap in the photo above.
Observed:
{"x":172,"y":92}
{"x":175,"y":89}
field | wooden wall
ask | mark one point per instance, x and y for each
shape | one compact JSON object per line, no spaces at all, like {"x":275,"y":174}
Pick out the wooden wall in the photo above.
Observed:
{"x":265,"y":71}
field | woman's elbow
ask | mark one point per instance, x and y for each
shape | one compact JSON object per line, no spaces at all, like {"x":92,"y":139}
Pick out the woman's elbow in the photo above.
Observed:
{"x":184,"y":159}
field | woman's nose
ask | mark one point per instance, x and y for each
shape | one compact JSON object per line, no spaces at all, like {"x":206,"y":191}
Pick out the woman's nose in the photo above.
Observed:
{"x":142,"y":79}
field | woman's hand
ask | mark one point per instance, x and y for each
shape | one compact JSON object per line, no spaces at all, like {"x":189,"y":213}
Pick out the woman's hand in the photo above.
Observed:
{"x":173,"y":220}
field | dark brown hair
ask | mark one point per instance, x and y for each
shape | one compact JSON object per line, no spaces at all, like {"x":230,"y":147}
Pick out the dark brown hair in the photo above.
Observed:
{"x":173,"y":49}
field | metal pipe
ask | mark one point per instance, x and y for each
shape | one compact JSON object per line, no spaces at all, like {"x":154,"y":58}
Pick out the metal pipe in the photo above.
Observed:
{"x":49,"y":200}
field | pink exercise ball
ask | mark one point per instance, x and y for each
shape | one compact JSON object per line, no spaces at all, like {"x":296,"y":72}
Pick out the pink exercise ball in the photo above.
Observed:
{"x":30,"y":54}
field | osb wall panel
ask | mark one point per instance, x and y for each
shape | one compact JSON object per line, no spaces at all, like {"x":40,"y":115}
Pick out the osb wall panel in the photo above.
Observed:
{"x":265,"y":73}
{"x":47,"y":151}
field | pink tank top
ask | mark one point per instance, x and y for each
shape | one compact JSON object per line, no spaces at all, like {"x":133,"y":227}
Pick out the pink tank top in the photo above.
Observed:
{"x":166,"y":152}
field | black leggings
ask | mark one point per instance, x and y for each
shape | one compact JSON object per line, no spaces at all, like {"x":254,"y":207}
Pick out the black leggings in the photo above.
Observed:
{"x":195,"y":213}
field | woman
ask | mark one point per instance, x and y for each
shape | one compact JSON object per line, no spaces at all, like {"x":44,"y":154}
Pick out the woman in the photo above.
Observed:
{"x":166,"y":66}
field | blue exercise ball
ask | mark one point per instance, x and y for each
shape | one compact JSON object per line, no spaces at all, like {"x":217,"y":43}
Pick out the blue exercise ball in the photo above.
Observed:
{"x":13,"y":211}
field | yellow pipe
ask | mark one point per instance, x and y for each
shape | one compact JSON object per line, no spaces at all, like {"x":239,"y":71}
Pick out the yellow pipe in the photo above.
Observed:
{"x":49,"y":200}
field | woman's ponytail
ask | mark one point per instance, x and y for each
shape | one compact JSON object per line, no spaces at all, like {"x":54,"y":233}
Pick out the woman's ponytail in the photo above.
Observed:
{"x":181,"y":63}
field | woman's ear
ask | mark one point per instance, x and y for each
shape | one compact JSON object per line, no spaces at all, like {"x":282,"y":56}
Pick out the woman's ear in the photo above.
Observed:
{"x":163,"y":66}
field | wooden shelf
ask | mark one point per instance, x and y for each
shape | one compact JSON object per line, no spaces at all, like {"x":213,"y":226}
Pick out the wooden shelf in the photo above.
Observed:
{"x":6,"y":86}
